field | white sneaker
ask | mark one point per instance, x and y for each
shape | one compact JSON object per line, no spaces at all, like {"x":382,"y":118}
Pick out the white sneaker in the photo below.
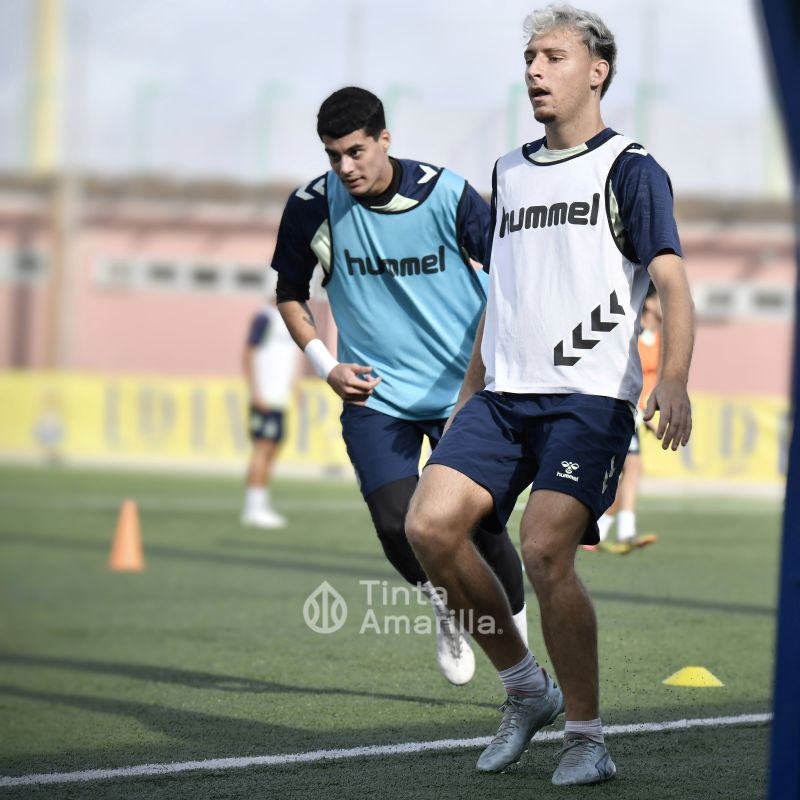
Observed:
{"x":265,"y":518}
{"x":453,"y":653}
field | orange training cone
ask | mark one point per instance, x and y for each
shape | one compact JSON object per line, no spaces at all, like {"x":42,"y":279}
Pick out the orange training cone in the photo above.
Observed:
{"x":126,"y":551}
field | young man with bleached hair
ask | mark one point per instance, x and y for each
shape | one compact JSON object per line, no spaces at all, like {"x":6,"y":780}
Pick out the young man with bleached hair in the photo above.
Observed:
{"x":394,"y":238}
{"x":582,"y":219}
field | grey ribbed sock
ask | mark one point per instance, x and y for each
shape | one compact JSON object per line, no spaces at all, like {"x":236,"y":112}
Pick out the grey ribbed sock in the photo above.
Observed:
{"x":590,"y":728}
{"x":526,"y":678}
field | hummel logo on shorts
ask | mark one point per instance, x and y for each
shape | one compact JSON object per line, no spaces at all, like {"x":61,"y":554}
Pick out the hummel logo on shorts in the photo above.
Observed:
{"x":569,"y":468}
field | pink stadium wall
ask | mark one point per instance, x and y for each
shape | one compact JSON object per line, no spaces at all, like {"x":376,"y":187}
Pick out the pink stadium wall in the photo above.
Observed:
{"x":742,"y":355}
{"x":179,"y":332}
{"x":172,"y":332}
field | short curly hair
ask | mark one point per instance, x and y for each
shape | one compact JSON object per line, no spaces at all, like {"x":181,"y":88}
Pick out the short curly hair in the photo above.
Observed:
{"x":351,"y":109}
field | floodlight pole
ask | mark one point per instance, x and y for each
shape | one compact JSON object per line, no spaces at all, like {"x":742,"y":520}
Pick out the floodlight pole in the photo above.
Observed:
{"x":782,"y":35}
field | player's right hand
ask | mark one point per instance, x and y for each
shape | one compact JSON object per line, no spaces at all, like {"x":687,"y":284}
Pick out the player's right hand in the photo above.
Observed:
{"x":670,"y":399}
{"x":351,"y":382}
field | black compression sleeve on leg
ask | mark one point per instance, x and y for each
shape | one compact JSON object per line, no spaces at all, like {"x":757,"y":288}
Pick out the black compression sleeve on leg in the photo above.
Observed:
{"x":388,"y":506}
{"x":502,"y":557}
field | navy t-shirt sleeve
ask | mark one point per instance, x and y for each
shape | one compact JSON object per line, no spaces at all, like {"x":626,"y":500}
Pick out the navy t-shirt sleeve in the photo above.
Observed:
{"x":492,"y":219}
{"x":293,"y":259}
{"x":258,"y":330}
{"x":644,"y":197}
{"x":472,"y":224}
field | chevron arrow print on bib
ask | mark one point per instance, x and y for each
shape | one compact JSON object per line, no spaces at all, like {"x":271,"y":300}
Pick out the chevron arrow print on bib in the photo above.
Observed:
{"x":581,"y":341}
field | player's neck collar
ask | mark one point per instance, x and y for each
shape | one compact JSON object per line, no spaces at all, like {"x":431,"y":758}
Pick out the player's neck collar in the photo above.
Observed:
{"x":385,"y":197}
{"x":538,"y":153}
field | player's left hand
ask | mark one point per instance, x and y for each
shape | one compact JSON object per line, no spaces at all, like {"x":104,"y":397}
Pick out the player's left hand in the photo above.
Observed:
{"x":352,"y":382}
{"x":671,"y":400}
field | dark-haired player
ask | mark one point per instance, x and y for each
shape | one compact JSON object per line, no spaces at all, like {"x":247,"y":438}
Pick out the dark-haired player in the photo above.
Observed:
{"x":394,"y":238}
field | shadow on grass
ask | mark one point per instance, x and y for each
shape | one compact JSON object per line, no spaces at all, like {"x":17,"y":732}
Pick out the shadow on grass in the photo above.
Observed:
{"x":194,"y":679}
{"x":262,"y":544}
{"x":154,"y":551}
{"x":201,"y":735}
{"x":673,"y":765}
{"x":325,"y":568}
{"x":683,"y":602}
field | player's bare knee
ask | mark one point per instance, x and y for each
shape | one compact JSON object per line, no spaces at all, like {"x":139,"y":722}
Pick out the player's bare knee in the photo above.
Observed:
{"x":544,"y":563}
{"x":429,"y":533}
{"x":421,"y":531}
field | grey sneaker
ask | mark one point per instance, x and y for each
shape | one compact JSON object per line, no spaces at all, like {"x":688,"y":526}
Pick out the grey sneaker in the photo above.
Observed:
{"x":522,"y":717}
{"x":583,"y":761}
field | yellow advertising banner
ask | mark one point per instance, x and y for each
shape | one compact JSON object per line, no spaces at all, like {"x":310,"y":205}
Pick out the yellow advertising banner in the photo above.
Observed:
{"x":202,"y":422}
{"x":178,"y":421}
{"x":741,"y":438}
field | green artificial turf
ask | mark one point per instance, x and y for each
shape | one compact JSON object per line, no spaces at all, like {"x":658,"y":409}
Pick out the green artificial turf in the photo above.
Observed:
{"x":206,"y":654}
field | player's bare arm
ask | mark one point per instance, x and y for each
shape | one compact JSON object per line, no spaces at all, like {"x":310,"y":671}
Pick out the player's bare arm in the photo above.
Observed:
{"x":670,"y":397}
{"x":475,"y":376}
{"x":299,"y":321}
{"x":350,"y":381}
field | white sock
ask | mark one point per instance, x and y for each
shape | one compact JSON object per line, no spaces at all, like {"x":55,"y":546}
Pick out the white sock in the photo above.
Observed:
{"x":256,"y":499}
{"x":521,"y":623}
{"x":626,"y":525}
{"x":439,"y":607}
{"x":590,"y":728}
{"x":526,"y":678}
{"x":604,"y":525}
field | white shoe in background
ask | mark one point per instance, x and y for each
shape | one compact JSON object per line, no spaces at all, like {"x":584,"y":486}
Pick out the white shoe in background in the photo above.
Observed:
{"x":263,"y":518}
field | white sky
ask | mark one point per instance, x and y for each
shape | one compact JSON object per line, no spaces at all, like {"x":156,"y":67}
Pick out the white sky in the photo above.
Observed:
{"x":231,"y":87}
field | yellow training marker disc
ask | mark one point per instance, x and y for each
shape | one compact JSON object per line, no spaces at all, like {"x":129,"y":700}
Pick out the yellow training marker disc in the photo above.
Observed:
{"x":693,"y":676}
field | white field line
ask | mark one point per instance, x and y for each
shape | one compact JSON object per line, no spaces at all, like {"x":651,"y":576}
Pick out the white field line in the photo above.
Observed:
{"x":354,"y":752}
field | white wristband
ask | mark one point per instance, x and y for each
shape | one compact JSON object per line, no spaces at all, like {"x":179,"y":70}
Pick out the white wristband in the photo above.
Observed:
{"x":320,"y":358}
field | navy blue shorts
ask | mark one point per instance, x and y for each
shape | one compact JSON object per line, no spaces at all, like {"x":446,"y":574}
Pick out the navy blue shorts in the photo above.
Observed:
{"x":570,"y":443}
{"x":384,"y":449}
{"x":266,"y":425}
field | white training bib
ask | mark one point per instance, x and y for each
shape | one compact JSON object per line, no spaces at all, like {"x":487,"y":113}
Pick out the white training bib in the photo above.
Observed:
{"x":564,"y":302}
{"x":276,"y":361}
